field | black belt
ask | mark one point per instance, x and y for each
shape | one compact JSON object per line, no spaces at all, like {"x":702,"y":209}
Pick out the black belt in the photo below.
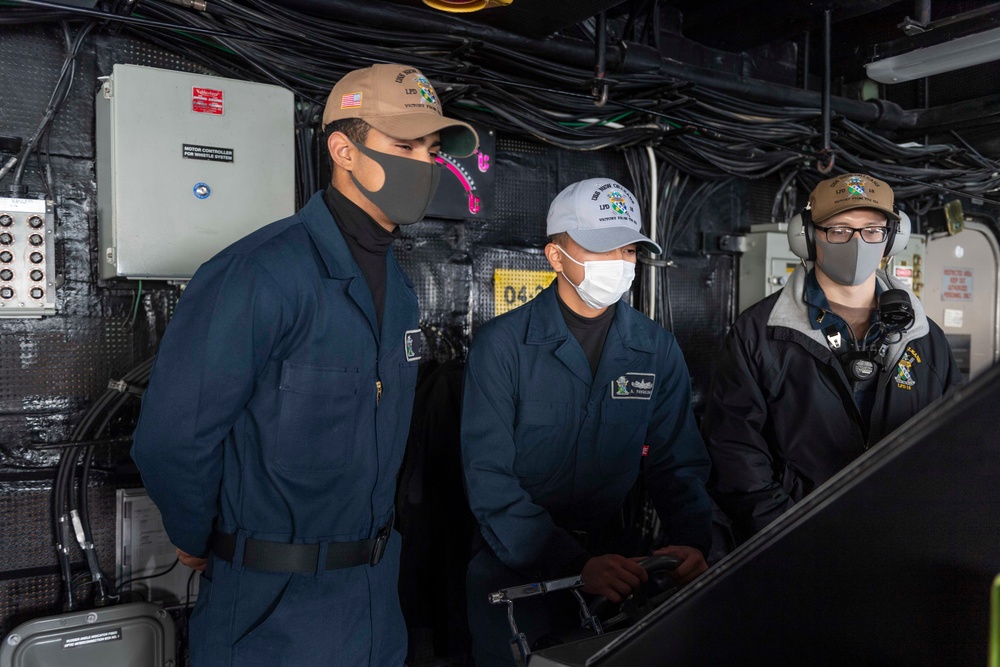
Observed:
{"x":296,"y":558}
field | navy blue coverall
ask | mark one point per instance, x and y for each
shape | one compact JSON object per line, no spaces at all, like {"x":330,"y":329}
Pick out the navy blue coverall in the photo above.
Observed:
{"x":275,"y":411}
{"x":549,"y":447}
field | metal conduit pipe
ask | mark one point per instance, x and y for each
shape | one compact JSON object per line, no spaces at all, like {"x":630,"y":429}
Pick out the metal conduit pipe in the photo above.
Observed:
{"x":884,"y":114}
{"x":825,"y":102}
{"x":952,"y":114}
{"x":922,"y":9}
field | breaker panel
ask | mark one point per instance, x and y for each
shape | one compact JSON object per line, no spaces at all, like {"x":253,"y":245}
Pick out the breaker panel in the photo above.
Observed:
{"x":187,"y":164}
{"x":27,"y":258}
{"x":766,"y":263}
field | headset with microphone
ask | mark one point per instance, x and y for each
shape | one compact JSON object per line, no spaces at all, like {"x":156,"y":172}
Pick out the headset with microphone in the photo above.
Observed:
{"x":802,"y":234}
{"x":894,"y":312}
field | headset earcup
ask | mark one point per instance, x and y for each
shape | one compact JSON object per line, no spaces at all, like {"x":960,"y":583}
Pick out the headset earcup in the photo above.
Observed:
{"x":799,"y":241}
{"x":899,"y":236}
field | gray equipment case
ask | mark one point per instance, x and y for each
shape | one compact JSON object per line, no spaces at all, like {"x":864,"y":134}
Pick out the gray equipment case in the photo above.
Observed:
{"x":129,"y":635}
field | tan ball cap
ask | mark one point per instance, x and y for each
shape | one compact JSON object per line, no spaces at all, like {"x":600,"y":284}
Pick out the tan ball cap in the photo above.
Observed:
{"x":401,"y":102}
{"x":836,"y":195}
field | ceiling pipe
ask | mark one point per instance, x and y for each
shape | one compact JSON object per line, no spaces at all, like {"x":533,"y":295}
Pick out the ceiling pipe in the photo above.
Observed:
{"x":980,"y":109}
{"x":882,"y":113}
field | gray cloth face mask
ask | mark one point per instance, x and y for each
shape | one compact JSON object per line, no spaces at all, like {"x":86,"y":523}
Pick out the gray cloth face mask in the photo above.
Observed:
{"x":408,"y":188}
{"x":849,"y":263}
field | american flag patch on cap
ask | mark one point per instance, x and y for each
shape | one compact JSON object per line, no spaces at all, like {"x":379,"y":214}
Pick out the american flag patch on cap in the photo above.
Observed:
{"x":350,"y":100}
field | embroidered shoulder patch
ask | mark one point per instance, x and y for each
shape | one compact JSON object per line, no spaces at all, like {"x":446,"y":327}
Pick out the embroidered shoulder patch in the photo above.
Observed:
{"x":634,"y":385}
{"x":413,"y":344}
{"x":904,"y":369}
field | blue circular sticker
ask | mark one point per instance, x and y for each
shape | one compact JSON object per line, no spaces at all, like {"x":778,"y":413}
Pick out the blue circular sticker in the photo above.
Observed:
{"x":202,"y":191}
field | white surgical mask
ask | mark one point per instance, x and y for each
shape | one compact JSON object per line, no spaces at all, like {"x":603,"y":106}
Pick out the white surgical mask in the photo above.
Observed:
{"x":604,"y":281}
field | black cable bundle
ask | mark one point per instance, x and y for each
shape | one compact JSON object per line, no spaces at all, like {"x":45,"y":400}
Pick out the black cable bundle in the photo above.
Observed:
{"x":527,"y":92}
{"x":70,"y":505}
{"x":60,"y":93}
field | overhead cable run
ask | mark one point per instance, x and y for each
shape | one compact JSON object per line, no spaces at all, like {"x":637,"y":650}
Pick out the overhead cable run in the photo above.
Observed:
{"x":544,"y":89}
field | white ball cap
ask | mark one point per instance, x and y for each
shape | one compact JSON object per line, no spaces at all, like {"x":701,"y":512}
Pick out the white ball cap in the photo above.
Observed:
{"x":600,"y":214}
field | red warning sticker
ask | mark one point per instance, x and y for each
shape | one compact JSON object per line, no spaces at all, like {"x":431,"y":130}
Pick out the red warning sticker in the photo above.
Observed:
{"x":206,"y":100}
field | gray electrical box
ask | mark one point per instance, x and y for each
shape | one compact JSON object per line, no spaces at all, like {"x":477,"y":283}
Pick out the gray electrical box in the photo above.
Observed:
{"x":765,"y":264}
{"x":128,"y":635}
{"x":907,"y":267}
{"x":187,"y":164}
{"x":142,"y":549}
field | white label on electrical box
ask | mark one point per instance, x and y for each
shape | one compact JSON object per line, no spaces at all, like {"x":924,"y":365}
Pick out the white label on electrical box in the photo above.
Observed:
{"x":953,"y":318}
{"x":194,"y":152}
{"x":93,"y":638}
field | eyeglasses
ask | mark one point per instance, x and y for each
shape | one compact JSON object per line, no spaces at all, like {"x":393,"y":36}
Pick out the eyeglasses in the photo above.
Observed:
{"x":845,"y":234}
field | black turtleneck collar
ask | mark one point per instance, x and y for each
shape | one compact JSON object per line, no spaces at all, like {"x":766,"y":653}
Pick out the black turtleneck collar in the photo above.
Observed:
{"x":367,"y":241}
{"x":357,"y":225}
{"x":590,"y":332}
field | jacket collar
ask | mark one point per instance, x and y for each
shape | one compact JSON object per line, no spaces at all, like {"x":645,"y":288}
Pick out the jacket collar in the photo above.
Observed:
{"x":329,"y":240}
{"x":340,"y":265}
{"x":546,"y":323}
{"x":792,"y":312}
{"x":547,"y":326}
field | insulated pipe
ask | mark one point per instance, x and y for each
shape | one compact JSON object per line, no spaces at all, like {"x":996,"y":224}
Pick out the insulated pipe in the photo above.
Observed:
{"x":978,"y":109}
{"x":884,"y":114}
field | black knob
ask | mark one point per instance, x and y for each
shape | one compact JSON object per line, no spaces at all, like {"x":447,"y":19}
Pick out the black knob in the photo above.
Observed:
{"x":37,"y":292}
{"x":6,"y":292}
{"x":6,"y":275}
{"x":6,"y":238}
{"x":36,"y":239}
{"x":6,"y":257}
{"x":36,"y":275}
{"x":6,"y":220}
{"x":35,"y":221}
{"x":36,"y":257}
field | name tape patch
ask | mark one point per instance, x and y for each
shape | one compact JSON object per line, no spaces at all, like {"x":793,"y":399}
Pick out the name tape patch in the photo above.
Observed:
{"x":634,"y":386}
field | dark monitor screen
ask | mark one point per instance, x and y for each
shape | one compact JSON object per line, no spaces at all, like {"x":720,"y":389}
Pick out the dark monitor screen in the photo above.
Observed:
{"x":889,"y":563}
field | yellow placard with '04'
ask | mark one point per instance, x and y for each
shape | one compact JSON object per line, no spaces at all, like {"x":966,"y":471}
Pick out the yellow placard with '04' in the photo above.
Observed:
{"x":516,"y":287}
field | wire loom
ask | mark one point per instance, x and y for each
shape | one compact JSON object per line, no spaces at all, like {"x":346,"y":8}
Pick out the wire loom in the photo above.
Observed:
{"x":698,"y":131}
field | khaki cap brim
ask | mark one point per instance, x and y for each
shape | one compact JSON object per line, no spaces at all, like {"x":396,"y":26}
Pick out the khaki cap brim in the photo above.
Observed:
{"x":457,"y":137}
